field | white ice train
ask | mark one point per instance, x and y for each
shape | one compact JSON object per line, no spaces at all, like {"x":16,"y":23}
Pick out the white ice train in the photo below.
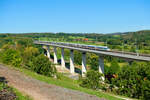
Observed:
{"x":92,"y":47}
{"x":98,"y":47}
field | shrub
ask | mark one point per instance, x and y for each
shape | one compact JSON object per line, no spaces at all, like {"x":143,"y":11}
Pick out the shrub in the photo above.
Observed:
{"x":42,"y":65}
{"x":92,"y":80}
{"x":112,"y":71}
{"x":25,"y":42}
{"x":77,"y":57}
{"x":12,"y":57}
{"x":145,"y":90}
{"x":93,"y":61}
{"x":114,"y":68}
{"x":28,"y":55}
{"x":133,"y":81}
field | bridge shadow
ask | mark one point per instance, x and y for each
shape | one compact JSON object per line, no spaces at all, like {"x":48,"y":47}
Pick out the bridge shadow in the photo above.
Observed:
{"x":59,"y":61}
{"x":52,"y":57}
{"x":77,"y":70}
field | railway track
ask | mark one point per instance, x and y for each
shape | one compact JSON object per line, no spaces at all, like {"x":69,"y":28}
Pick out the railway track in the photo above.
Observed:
{"x":92,"y":48}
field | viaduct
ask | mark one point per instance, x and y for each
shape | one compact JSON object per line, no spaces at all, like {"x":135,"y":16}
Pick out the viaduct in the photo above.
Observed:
{"x":100,"y":53}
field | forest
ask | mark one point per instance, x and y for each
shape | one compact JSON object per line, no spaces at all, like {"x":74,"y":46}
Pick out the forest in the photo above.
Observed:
{"x":121,"y":78}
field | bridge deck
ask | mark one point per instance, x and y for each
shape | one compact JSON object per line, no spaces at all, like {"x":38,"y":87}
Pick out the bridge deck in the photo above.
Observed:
{"x":108,"y":53}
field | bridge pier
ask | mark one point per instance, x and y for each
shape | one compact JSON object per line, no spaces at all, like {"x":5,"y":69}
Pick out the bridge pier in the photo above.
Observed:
{"x":83,"y":64}
{"x":62,"y":58}
{"x":55,"y":56}
{"x":48,"y":51}
{"x":101,"y":66}
{"x":71,"y":62}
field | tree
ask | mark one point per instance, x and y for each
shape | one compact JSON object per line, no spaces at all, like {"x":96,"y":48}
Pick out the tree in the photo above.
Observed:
{"x":25,"y":42}
{"x":133,"y":81}
{"x":12,"y":57}
{"x":145,"y":90}
{"x":77,"y":57}
{"x":42,"y":65}
{"x":92,"y":80}
{"x":93,"y":61}
{"x":114,"y":67}
{"x":29,"y":53}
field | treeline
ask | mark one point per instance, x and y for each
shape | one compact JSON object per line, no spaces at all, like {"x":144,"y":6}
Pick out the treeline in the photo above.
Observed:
{"x":128,"y":41}
{"x":127,"y":37}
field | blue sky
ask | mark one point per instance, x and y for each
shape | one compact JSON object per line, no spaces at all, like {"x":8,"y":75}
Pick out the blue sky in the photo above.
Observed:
{"x":101,"y":16}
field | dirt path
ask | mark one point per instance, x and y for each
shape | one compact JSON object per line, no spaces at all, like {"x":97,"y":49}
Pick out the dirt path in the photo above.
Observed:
{"x":39,"y":90}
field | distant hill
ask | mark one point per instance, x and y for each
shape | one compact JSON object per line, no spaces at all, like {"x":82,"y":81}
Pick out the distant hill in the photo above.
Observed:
{"x":141,"y":36}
